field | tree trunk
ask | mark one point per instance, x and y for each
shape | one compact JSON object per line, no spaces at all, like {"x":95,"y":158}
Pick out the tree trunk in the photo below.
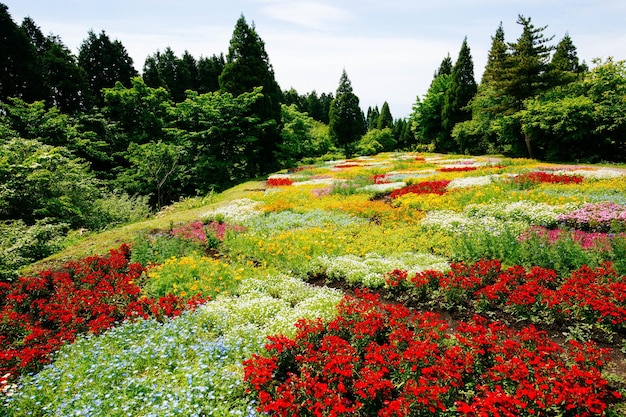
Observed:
{"x":529,"y":146}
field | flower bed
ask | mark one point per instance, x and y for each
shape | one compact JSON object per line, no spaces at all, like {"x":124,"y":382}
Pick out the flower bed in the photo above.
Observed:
{"x":426,"y":187}
{"x":386,"y":360}
{"x":537,"y":177}
{"x":39,"y":314}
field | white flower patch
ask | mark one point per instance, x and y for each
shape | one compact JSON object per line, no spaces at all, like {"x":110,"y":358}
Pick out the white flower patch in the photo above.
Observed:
{"x":384,"y":187}
{"x":453,"y":222}
{"x":280,"y":176}
{"x":448,"y":220}
{"x":595,"y":174}
{"x":319,"y":181}
{"x":236,"y":211}
{"x":466,"y":182}
{"x":532,"y":213}
{"x":370,"y":270}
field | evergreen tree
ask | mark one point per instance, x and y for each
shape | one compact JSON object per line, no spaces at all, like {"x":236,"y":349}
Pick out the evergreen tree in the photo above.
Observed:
{"x":346,"y":119}
{"x":62,"y":82}
{"x":445,"y":68}
{"x":565,"y":66}
{"x":372,"y":117}
{"x":461,"y":90}
{"x":20,"y":75}
{"x":247,"y":66}
{"x":525,"y":74}
{"x":385,"y":119}
{"x":209,"y":70}
{"x":105,"y":62}
{"x":496,"y":60}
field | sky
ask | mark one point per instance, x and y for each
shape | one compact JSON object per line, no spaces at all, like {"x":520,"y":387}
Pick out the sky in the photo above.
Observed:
{"x":390,"y":49}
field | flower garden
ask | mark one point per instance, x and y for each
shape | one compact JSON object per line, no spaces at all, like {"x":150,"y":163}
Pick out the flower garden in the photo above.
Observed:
{"x":394,"y":285}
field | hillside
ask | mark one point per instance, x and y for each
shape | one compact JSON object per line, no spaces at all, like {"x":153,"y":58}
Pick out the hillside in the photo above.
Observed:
{"x":501,"y":282}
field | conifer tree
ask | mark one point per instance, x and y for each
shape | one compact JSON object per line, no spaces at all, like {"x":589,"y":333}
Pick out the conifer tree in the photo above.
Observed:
{"x":209,"y":71}
{"x":248,"y":66}
{"x":445,"y":68}
{"x":372,"y":117}
{"x":565,"y":66}
{"x":105,"y":62}
{"x":496,"y":60}
{"x":385,"y":119}
{"x":460,"y":91}
{"x":346,"y":119}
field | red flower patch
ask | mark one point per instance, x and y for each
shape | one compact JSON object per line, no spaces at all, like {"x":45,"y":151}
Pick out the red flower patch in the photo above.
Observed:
{"x":380,"y":359}
{"x":426,"y":187}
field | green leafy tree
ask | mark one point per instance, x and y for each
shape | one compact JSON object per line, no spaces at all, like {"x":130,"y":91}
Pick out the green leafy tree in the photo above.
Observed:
{"x":105,"y":63}
{"x":155,"y":169}
{"x":376,"y":141}
{"x":298,"y":139}
{"x":141,"y":112}
{"x":445,"y":68}
{"x":42,"y":181}
{"x":346,"y":119}
{"x":426,"y":121}
{"x":219,"y":136}
{"x":247,"y":67}
{"x":174,"y":74}
{"x":385,"y":119}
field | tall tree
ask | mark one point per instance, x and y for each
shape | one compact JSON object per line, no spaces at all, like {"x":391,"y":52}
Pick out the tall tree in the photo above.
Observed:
{"x":385,"y":119}
{"x":496,"y":60}
{"x":526,"y":73}
{"x":20,"y":74}
{"x":565,"y":66}
{"x":445,"y":68}
{"x":372,"y":117}
{"x":460,"y":92}
{"x":209,"y":70}
{"x":346,"y":119}
{"x":105,"y":62}
{"x":248,"y":66}
{"x":174,"y":74}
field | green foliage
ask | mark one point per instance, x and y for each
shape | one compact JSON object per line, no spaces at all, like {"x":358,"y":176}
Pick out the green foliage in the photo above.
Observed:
{"x":22,"y":244}
{"x":385,"y":119}
{"x":426,"y":118}
{"x":376,"y":141}
{"x":347,"y":122}
{"x":247,"y":68}
{"x":157,"y":248}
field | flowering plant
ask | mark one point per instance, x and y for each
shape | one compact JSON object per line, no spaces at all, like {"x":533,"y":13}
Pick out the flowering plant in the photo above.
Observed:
{"x":536,"y":177}
{"x":279,"y":181}
{"x":383,"y":359}
{"x":426,"y":187}
{"x":39,"y":314}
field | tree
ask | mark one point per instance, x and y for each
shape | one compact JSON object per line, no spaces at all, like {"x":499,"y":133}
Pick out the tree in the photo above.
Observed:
{"x":247,"y":67}
{"x":497,"y":58}
{"x":105,"y":62}
{"x":155,"y":168}
{"x":209,"y":71}
{"x":461,"y":90}
{"x":20,"y":74}
{"x":141,"y":112}
{"x":565,"y":66}
{"x":426,"y":120}
{"x":385,"y":119}
{"x":174,"y":74}
{"x":219,"y":136}
{"x":445,"y":68}
{"x":346,"y":119}
{"x":372,"y":117}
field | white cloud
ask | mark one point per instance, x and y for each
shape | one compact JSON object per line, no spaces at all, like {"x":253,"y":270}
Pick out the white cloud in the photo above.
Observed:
{"x":309,"y":14}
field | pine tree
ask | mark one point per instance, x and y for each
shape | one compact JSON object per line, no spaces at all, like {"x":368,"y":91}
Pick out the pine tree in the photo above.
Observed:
{"x":209,"y":71}
{"x":525,"y":73}
{"x":385,"y":119}
{"x":496,"y":60}
{"x":20,"y":75}
{"x":105,"y":62}
{"x":565,"y":66}
{"x":346,"y":119}
{"x":445,"y":68}
{"x":461,"y":90}
{"x":247,"y":66}
{"x":372,"y":117}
